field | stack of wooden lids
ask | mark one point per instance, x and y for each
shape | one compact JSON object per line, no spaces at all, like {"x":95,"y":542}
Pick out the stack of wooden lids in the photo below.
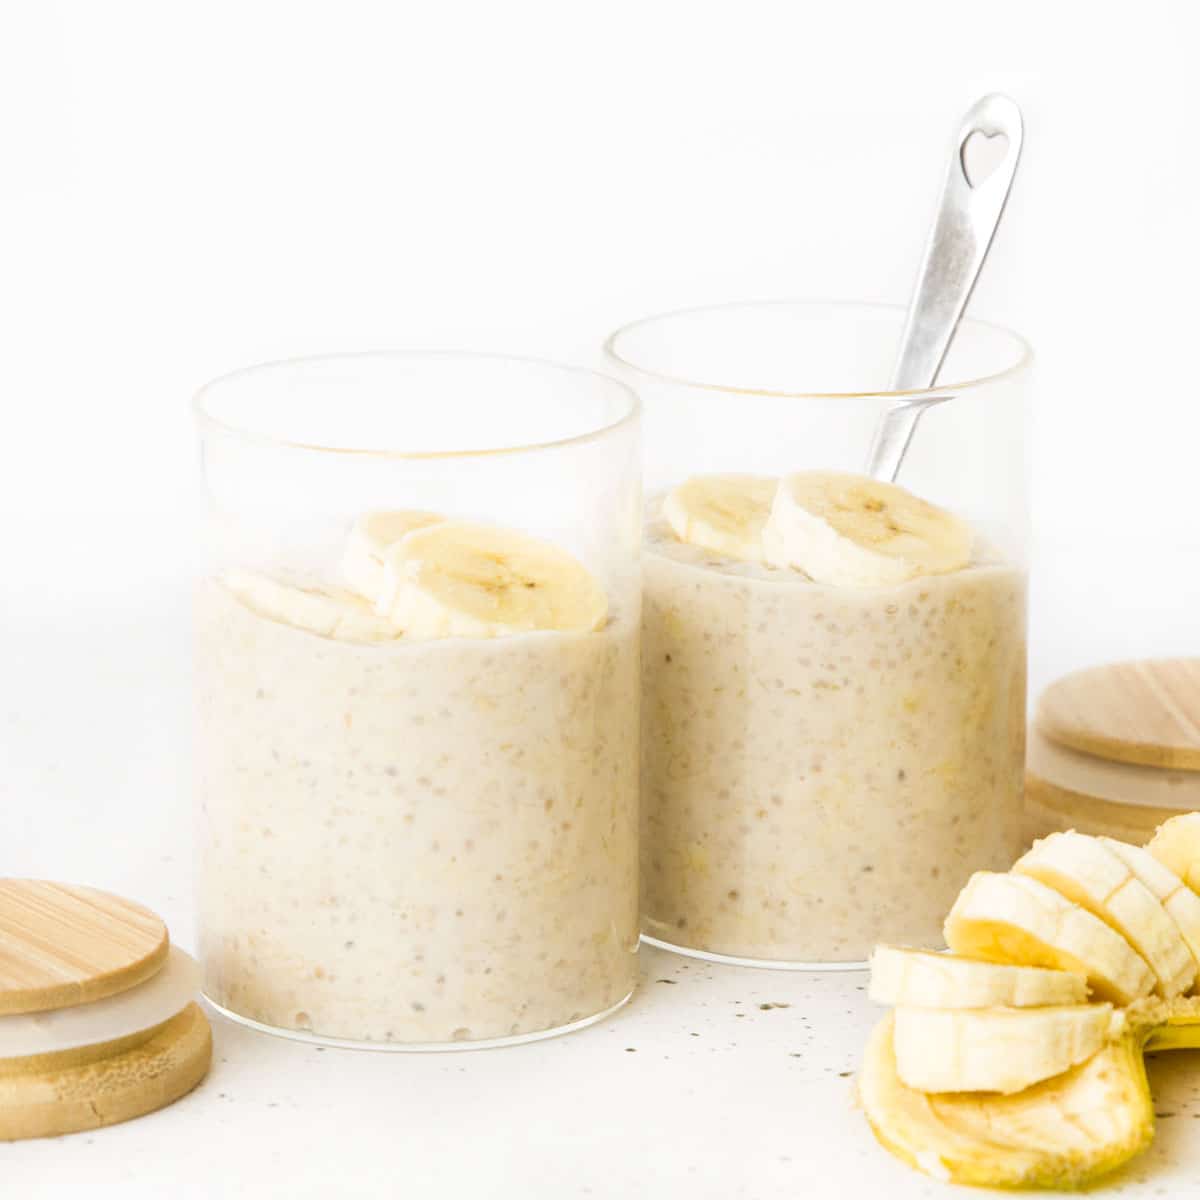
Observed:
{"x":98,"y":1020}
{"x":1115,"y":750}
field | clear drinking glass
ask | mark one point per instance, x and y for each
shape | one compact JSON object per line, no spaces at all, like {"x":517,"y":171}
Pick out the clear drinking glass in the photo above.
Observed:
{"x":417,"y":734}
{"x":823,"y":766}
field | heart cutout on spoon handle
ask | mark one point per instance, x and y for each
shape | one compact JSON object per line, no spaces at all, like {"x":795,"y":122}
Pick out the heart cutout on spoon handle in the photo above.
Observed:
{"x":982,"y":155}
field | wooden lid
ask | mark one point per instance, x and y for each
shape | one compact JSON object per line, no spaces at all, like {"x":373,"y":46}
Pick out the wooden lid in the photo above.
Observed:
{"x":52,"y":1094}
{"x":1134,"y":786}
{"x":1134,"y":712}
{"x":62,"y":945}
{"x":1049,"y":808}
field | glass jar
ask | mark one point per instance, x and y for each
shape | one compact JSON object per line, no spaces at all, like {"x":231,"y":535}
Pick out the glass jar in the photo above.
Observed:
{"x":825,"y":765}
{"x":417,"y":698}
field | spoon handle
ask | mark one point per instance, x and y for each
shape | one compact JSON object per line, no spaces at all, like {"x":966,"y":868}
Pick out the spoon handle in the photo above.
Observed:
{"x":958,"y":243}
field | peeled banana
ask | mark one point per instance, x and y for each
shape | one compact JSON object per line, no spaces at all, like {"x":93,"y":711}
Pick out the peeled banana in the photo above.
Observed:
{"x":1053,"y":1094}
{"x":1065,"y":1132}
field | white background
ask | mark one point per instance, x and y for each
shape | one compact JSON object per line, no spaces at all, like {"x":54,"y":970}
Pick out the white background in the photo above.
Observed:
{"x":185,"y":188}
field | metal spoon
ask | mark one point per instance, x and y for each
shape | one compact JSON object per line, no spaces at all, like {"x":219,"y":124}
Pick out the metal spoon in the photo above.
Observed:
{"x":958,"y":244}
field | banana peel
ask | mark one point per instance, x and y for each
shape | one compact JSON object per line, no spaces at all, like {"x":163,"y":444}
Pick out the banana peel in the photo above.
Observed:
{"x":1066,"y":1132}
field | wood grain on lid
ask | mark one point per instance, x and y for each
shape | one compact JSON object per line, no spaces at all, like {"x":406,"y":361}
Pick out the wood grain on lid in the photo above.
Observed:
{"x":1134,"y":712}
{"x":62,"y":945}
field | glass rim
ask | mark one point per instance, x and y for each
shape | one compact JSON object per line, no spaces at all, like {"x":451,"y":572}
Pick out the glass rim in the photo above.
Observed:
{"x":206,"y":421}
{"x":945,"y":390}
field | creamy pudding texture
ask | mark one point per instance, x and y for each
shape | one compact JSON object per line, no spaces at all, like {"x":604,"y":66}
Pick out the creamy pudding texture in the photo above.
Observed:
{"x":823,"y":767}
{"x":417,"y":841}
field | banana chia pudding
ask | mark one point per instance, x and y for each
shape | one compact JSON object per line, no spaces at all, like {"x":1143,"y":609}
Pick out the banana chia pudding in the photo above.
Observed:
{"x":409,"y":836}
{"x":823,"y":766}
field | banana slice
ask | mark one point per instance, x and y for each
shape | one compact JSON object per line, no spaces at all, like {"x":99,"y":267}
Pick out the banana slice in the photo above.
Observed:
{"x":1181,"y":903}
{"x":328,"y":612}
{"x":1066,"y":1132}
{"x":1176,"y":844}
{"x":1084,"y":870}
{"x":722,"y":513}
{"x":1015,"y":919}
{"x":924,"y":979}
{"x":459,"y":579}
{"x":373,"y":533}
{"x":852,"y":531}
{"x":995,"y":1049}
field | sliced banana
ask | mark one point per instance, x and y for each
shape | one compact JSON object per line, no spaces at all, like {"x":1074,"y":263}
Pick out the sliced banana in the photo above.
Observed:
{"x":988,"y":1095}
{"x":1176,"y":844}
{"x":460,"y":579}
{"x":1181,"y":903}
{"x":1084,"y":870}
{"x":852,"y":531}
{"x":722,"y":513}
{"x":1015,"y":919}
{"x":1065,"y":1132}
{"x":329,"y":612}
{"x":922,"y":978}
{"x":995,"y":1049}
{"x":369,"y":540}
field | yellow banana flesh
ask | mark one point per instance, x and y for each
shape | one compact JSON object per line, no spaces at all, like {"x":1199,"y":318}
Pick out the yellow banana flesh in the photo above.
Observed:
{"x":1066,"y":1132}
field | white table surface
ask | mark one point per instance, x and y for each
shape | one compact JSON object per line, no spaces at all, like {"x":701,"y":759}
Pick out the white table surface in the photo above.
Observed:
{"x":693,"y":1091}
{"x":714,"y":1082}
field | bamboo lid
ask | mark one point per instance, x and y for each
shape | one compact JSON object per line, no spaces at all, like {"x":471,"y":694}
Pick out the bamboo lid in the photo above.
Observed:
{"x":1146,"y":713}
{"x":51,"y":1094}
{"x":62,"y":945}
{"x":1050,"y":809}
{"x":94,"y":1029}
{"x":158,"y":999}
{"x":1151,"y":788}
